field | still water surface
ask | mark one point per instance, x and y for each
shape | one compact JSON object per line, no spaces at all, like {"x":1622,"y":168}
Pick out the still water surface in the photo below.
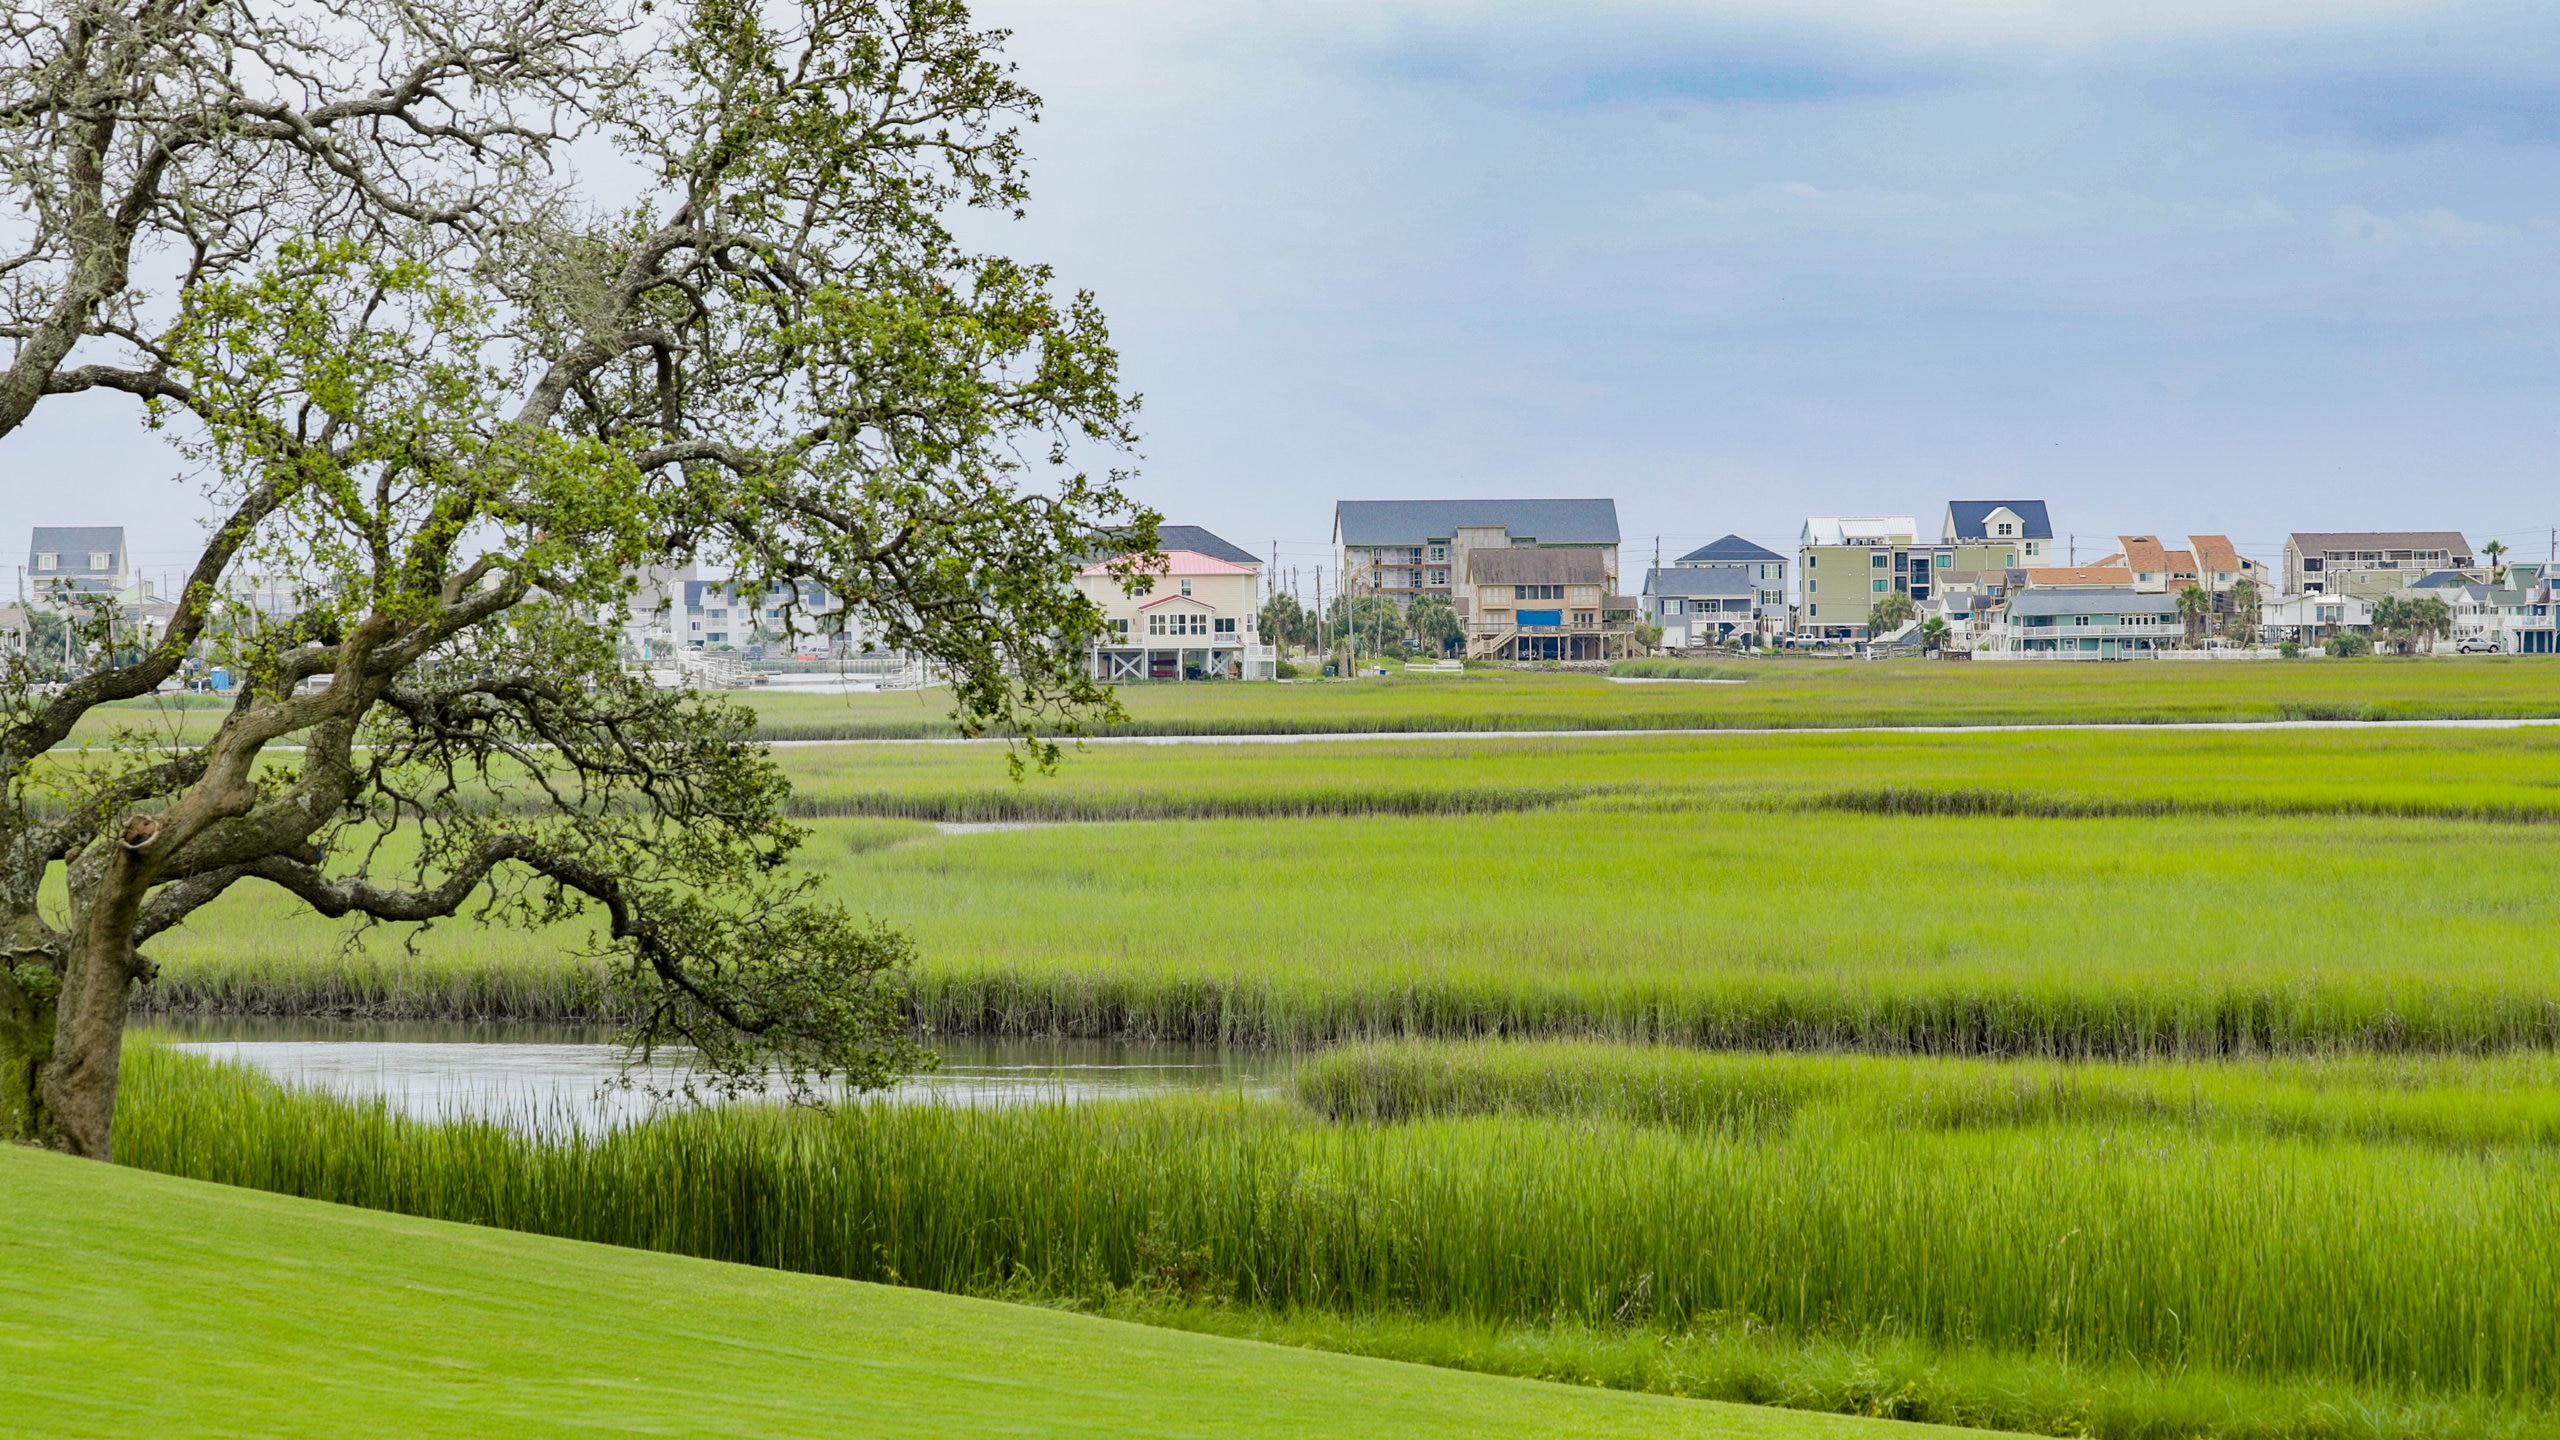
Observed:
{"x":563,"y":1077}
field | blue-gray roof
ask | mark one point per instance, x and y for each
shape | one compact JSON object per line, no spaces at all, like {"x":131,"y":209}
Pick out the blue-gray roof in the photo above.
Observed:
{"x":1201,"y":542}
{"x":2091,"y":602}
{"x":1968,"y":517}
{"x":80,"y":540}
{"x":1718,"y":580}
{"x":1414,"y":522}
{"x":1731,"y":550}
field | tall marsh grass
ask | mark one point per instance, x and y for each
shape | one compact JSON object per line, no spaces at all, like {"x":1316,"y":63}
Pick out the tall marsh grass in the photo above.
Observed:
{"x":2508,"y":1099}
{"x":1777,"y":694}
{"x":2506,"y":775}
{"x":2431,"y":1268}
{"x":1725,"y":928}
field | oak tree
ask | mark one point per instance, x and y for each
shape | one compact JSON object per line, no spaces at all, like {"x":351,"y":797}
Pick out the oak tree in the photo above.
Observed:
{"x":455,"y":400}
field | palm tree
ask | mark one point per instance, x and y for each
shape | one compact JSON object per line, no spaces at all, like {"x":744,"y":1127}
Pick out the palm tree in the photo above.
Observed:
{"x":2245,"y":605}
{"x":1890,"y":614}
{"x":2497,"y":572}
{"x":2431,"y":619}
{"x":2194,"y":603}
{"x":2393,"y":624}
{"x":1933,"y":633}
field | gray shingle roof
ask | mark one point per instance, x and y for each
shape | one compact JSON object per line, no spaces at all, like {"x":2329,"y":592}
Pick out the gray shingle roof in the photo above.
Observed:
{"x":1414,"y":522}
{"x":1731,"y":550}
{"x":2091,"y":602}
{"x":1535,"y":567}
{"x":78,"y":537}
{"x":1969,"y":516}
{"x":1719,"y":580}
{"x":2314,"y":542}
{"x":1200,"y":541}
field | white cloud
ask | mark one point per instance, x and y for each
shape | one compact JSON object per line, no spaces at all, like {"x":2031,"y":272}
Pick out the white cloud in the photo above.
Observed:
{"x":1799,"y":205}
{"x":2438,"y":227}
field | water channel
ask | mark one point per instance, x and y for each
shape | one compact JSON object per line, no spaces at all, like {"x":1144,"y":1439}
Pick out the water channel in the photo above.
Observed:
{"x":548,"y":1077}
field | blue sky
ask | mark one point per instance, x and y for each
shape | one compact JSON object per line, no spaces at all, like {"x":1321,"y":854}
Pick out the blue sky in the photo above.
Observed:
{"x":2239,"y":267}
{"x":2222,"y":267}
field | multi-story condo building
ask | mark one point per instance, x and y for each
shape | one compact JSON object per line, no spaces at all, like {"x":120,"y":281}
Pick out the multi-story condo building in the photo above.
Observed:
{"x":1405,"y":548}
{"x":1849,"y":562}
{"x":2369,"y":564}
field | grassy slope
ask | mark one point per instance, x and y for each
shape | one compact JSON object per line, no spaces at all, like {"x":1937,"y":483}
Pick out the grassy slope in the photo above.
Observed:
{"x":134,"y":1303}
{"x":1783,"y":694}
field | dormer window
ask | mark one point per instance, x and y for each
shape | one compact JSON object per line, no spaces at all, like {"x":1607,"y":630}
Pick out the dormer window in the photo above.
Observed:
{"x":48,"y":561}
{"x":2008,"y":529}
{"x":102,"y":560}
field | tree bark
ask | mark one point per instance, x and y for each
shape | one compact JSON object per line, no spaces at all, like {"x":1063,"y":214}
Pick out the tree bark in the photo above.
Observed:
{"x":75,"y":1097}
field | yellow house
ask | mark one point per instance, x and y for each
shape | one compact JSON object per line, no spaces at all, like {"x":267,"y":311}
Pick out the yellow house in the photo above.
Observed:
{"x":1196,"y":621}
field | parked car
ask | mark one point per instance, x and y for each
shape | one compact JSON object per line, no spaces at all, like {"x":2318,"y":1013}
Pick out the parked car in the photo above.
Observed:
{"x":2475,"y":646}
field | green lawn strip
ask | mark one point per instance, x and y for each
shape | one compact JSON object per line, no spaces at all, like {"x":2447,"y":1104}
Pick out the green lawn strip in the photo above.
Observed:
{"x":133,"y":1304}
{"x":1877,"y":1376}
{"x":1785,"y":694}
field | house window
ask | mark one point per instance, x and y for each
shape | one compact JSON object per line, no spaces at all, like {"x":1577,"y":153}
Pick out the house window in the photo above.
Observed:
{"x":1186,"y":587}
{"x":1439,"y":577}
{"x":1537,"y":592}
{"x":1813,"y":609}
{"x":719,"y":636}
{"x":1812,"y":585}
{"x":2007,"y":529}
{"x":1226,"y":626}
{"x":718,"y":614}
{"x":1179,"y":623}
{"x":1119,"y":629}
{"x":101,"y":560}
{"x":1879,"y":587}
{"x":2079,"y":619}
{"x":1439,"y":552}
{"x":1880,"y":559}
{"x":48,"y":562}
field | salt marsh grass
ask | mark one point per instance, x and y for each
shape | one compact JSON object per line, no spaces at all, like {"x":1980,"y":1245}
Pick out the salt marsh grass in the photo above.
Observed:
{"x":2141,"y":1247}
{"x":1778,"y":693}
{"x":2489,"y":775}
{"x":2509,"y":1099}
{"x":1736,"y":928}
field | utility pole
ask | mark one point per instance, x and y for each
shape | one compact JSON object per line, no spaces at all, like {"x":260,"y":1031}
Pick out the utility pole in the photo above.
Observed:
{"x":2075,"y":550}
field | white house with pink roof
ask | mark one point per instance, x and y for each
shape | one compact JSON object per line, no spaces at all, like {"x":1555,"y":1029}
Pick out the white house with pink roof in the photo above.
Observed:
{"x":1198,"y":620}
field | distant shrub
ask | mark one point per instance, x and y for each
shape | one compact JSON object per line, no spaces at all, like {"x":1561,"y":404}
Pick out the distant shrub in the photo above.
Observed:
{"x":2344,"y":645}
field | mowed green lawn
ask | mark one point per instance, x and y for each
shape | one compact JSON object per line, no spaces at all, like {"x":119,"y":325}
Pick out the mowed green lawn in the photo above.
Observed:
{"x":136,"y":1304}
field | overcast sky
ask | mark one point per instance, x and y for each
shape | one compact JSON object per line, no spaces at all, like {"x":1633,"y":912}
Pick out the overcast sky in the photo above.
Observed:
{"x":2218,"y":266}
